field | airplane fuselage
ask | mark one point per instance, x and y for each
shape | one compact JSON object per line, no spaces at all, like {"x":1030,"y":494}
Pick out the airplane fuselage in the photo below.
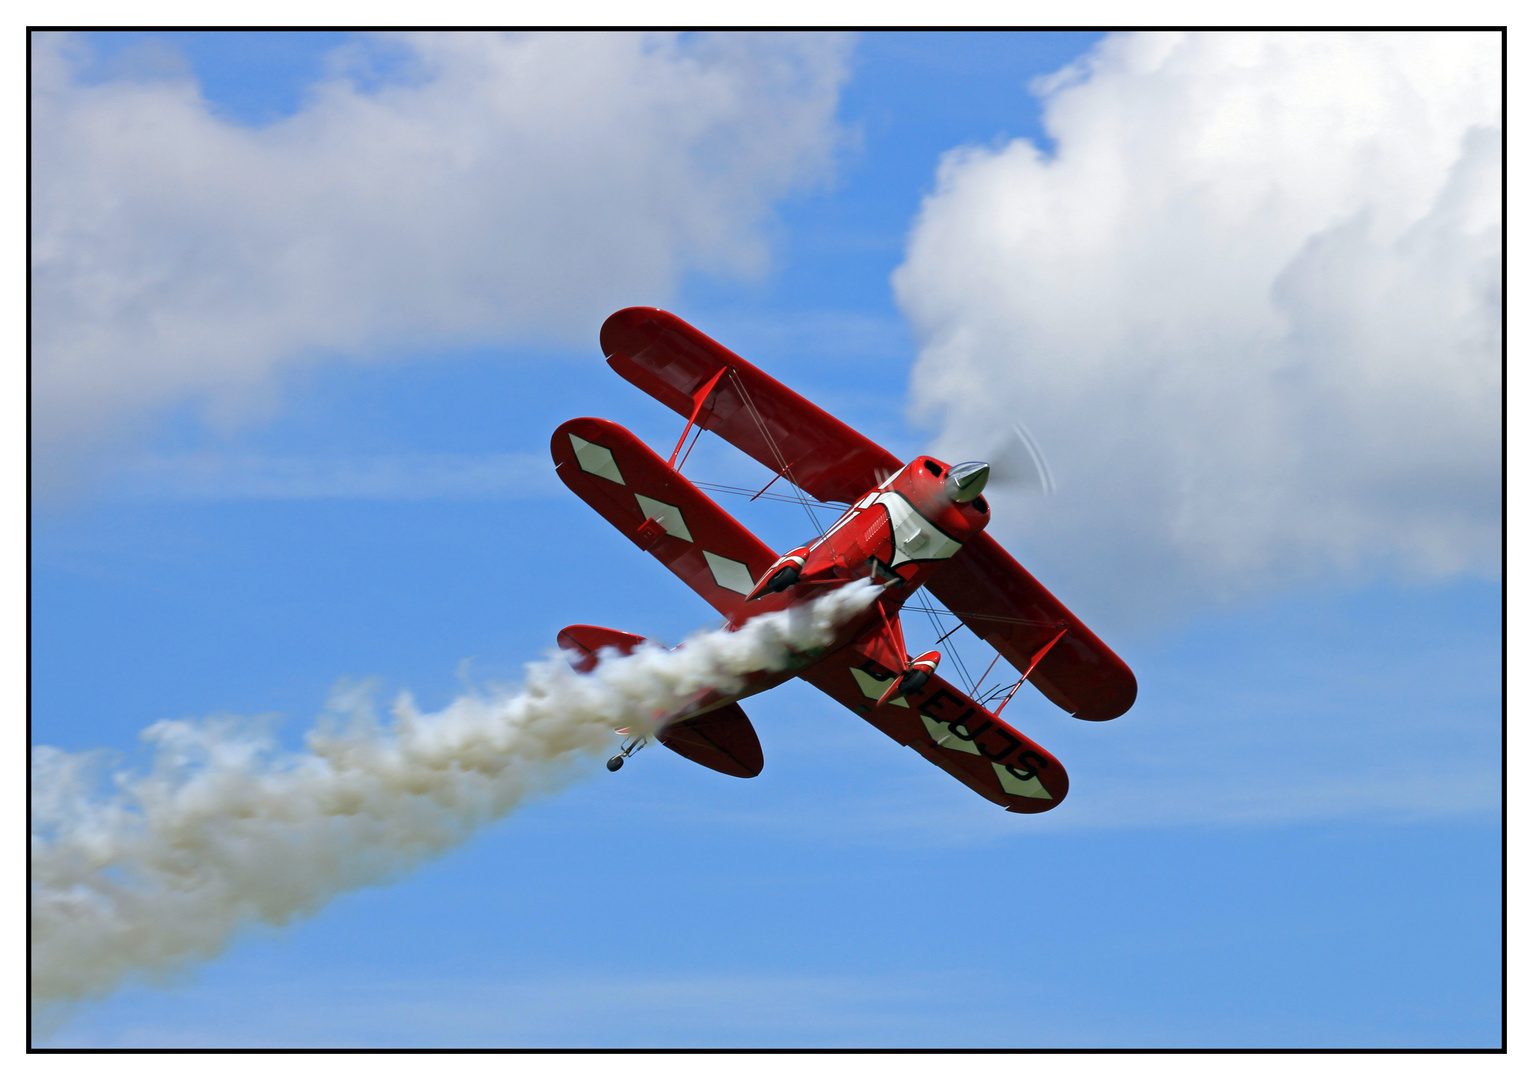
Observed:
{"x":898,"y":534}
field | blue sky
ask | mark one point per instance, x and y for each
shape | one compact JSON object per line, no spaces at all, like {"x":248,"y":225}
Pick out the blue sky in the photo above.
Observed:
{"x":259,"y":490}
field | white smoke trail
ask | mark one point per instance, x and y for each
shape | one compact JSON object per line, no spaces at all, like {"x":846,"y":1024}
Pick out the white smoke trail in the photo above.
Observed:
{"x":227,"y":830}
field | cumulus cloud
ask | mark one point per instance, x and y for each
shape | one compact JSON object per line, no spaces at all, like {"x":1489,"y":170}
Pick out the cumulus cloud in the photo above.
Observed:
{"x":1250,"y":306}
{"x":435,"y":188}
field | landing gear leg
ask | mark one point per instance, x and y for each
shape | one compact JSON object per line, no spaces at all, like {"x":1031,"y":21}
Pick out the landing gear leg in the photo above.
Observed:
{"x":629,"y":749}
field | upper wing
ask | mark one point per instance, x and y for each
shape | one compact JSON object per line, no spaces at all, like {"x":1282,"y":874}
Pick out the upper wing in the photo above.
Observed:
{"x":1004,"y":605}
{"x":983,"y":585}
{"x":673,"y":361}
{"x":949,"y":729}
{"x":660,"y":511}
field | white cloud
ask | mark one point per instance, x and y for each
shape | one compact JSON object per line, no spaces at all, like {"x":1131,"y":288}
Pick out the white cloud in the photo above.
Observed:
{"x":1250,"y":307}
{"x":486,"y":188}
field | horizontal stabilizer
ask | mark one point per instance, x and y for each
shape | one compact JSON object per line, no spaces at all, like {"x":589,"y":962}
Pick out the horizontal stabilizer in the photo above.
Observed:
{"x":585,"y":642}
{"x":722,"y":740}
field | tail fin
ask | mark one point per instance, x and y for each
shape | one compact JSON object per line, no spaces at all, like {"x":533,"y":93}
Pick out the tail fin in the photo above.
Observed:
{"x":584,"y":643}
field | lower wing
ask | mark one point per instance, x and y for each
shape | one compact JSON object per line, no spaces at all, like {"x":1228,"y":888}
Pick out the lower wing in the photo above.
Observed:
{"x":948,"y":728}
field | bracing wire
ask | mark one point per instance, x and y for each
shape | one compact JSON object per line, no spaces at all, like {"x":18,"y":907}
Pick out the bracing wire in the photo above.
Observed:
{"x":932,"y":612}
{"x":692,"y":444}
{"x":937,"y":627}
{"x":981,"y":616}
{"x":783,"y":465}
{"x":749,"y":492}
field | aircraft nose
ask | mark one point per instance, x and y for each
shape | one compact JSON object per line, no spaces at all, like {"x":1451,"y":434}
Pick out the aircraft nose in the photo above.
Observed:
{"x":966,"y":481}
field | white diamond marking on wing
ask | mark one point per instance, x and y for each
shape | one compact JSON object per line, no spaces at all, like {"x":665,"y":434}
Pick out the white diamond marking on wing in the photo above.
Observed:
{"x":1030,"y":787}
{"x":669,"y":517}
{"x":731,"y":575}
{"x":874,"y":687}
{"x":946,"y":737}
{"x":596,"y":460}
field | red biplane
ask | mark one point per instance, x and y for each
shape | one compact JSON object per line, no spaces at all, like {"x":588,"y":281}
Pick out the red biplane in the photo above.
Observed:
{"x":907,"y":525}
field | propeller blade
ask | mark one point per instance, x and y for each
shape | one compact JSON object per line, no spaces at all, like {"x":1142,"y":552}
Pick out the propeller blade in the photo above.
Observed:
{"x":1018,"y":462}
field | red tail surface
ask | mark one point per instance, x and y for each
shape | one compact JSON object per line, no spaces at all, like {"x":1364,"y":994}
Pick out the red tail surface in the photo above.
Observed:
{"x":723,"y":740}
{"x":586,"y":642}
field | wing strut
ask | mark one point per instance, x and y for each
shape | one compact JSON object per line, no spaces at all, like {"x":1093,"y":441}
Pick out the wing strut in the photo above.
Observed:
{"x":896,"y":639}
{"x":1037,"y":657}
{"x":775,"y":477}
{"x":697,"y":408}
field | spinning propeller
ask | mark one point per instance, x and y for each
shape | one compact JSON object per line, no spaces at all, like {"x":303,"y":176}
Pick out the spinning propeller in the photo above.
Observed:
{"x":1017,"y":461}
